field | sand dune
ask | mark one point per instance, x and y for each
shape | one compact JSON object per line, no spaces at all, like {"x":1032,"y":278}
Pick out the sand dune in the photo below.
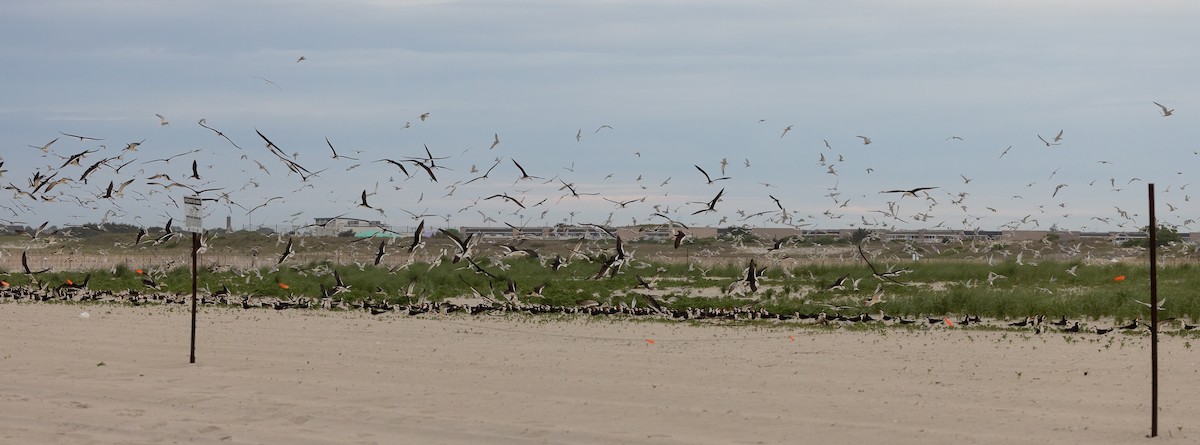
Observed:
{"x":315,"y":377}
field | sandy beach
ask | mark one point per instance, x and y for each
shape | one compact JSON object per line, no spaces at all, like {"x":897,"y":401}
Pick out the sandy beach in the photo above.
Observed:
{"x":122,"y":375}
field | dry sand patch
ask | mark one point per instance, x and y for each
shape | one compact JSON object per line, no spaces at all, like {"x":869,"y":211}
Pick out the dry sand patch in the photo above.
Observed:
{"x":336,"y":377}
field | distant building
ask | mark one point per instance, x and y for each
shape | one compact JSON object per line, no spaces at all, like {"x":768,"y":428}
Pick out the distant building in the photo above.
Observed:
{"x":336,"y":226}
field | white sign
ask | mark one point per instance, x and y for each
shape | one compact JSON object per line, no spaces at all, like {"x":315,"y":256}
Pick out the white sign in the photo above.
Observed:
{"x":193,"y":212}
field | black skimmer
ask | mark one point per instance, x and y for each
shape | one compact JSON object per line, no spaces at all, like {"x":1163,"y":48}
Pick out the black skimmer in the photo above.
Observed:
{"x":1048,"y":143}
{"x":909,"y":192}
{"x":709,"y":178}
{"x":711,"y":204}
{"x":381,"y":252}
{"x":464,"y":246}
{"x":839,"y":283}
{"x":417,"y":242}
{"x":505,"y":196}
{"x":335,"y":153}
{"x":523,"y":174}
{"x":363,"y":203}
{"x":339,"y":286}
{"x":679,"y":236}
{"x":287,"y":251}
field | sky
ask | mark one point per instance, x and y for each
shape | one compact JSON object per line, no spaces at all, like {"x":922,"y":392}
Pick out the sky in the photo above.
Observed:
{"x":620,"y":99}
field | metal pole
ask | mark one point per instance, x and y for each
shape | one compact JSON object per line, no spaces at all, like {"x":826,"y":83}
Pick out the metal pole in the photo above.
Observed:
{"x":195,"y":249}
{"x":1153,"y":229}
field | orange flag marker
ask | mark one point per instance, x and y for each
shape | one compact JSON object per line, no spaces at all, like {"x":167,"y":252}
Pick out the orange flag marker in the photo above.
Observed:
{"x":948,"y":322}
{"x":649,"y":341}
{"x":283,"y":285}
{"x":1119,"y":278}
{"x":791,"y":338}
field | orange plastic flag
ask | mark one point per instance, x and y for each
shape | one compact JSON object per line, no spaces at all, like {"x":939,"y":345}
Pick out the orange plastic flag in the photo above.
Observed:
{"x":791,"y":338}
{"x":4,"y":283}
{"x":1119,"y":278}
{"x":283,"y":285}
{"x":948,"y":322}
{"x":139,"y":271}
{"x":69,"y":282}
{"x":649,"y":341}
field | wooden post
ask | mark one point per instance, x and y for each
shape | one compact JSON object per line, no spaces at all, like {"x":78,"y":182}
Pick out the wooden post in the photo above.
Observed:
{"x":1153,"y":232}
{"x":195,"y":250}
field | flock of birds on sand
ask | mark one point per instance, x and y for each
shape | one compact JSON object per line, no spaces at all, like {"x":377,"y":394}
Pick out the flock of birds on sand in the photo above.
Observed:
{"x":109,"y":184}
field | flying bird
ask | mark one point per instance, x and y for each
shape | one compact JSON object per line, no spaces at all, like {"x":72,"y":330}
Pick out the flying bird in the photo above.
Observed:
{"x":523,"y":174}
{"x":364,"y":201}
{"x":381,"y":252}
{"x":1044,"y":141}
{"x":416,"y":238}
{"x":336,"y":156}
{"x":866,"y":140}
{"x":909,"y":192}
{"x":709,"y":178}
{"x":679,"y":236}
{"x":25,"y":265}
{"x":495,"y":142}
{"x":711,"y":204}
{"x":162,"y":121}
{"x":1165,"y":111}
{"x":287,"y":252}
{"x":45,"y":148}
{"x":81,"y":138}
{"x":464,"y":246}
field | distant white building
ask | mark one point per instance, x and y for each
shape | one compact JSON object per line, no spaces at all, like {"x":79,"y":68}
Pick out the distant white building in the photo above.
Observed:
{"x":335,"y":226}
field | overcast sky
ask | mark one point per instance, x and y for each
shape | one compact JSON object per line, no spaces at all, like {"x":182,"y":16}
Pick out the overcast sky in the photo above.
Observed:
{"x":941,"y":88}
